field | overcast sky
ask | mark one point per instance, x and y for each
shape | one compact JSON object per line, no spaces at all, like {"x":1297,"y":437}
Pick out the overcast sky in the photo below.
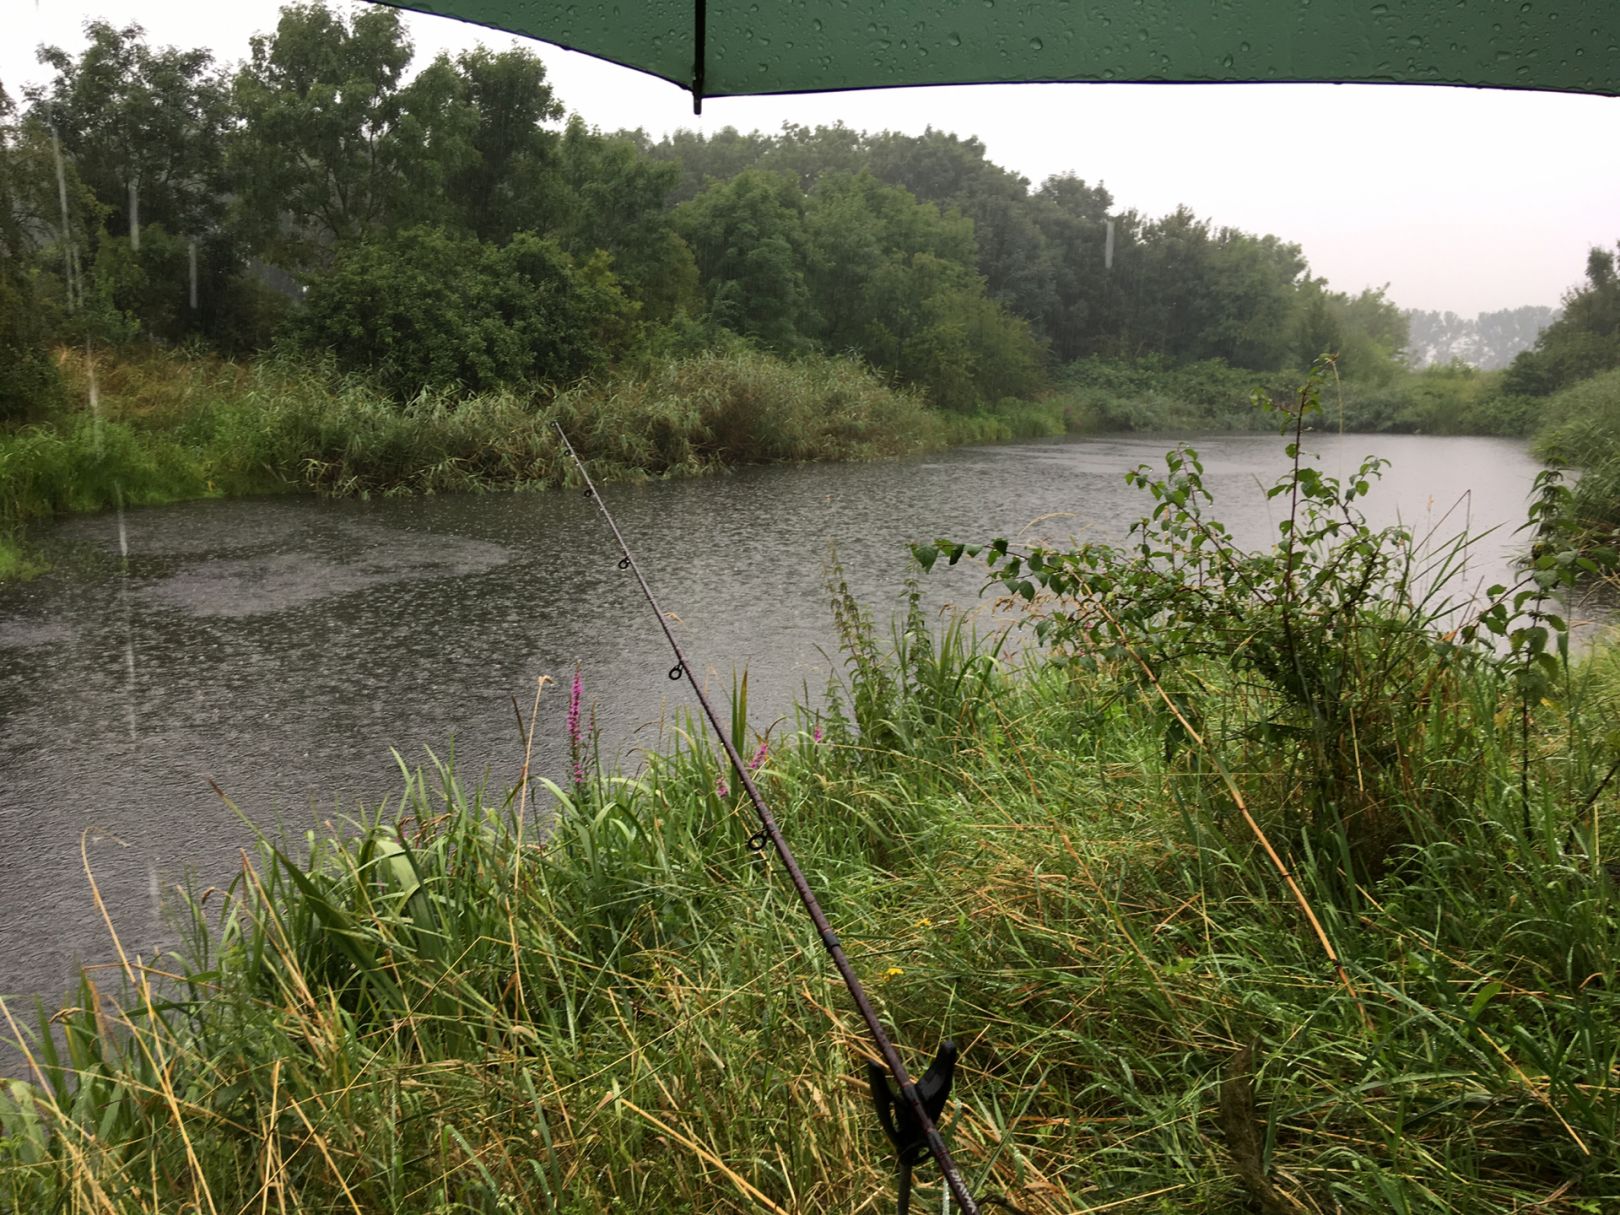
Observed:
{"x":1460,"y":199}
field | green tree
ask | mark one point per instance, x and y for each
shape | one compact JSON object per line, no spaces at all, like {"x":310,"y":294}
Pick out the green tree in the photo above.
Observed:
{"x":430,"y":149}
{"x":321,"y":157}
{"x":1172,"y":302}
{"x":1582,"y":342}
{"x":1316,"y":328}
{"x":748,"y":237}
{"x":933,"y":325}
{"x":1074,"y":219}
{"x":1175,"y":287}
{"x":706,"y":161}
{"x":862,"y":266}
{"x":1014,"y":257}
{"x":143,"y":131}
{"x":29,"y":383}
{"x":856,"y":226}
{"x":812,"y":154}
{"x":144,"y":128}
{"x":427,"y":309}
{"x":509,"y":183}
{"x":1366,"y":332}
{"x":615,"y":198}
{"x":1374,"y":335}
{"x":1253,"y":282}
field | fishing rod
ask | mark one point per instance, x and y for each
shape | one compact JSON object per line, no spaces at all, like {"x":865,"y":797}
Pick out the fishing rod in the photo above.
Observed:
{"x":908,"y":1120}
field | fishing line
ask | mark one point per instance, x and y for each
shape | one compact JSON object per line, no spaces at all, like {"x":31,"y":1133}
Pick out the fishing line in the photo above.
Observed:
{"x":909,"y":1119}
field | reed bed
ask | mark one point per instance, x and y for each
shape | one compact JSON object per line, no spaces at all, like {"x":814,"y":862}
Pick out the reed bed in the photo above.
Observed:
{"x":163,"y":427}
{"x":1580,"y":427}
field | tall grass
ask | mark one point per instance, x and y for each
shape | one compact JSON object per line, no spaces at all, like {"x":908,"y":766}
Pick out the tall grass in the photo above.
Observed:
{"x":1581,"y":427}
{"x":172,"y":427}
{"x":592,"y":995}
{"x":1155,"y":394}
{"x":448,"y":1009}
{"x":1055,"y":415}
{"x":169,"y":427}
{"x":1150,"y":394}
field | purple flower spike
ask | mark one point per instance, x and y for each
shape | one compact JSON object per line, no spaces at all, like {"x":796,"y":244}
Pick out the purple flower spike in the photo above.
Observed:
{"x":759,"y":755}
{"x":720,"y":787}
{"x":816,"y":734}
{"x":575,"y":694}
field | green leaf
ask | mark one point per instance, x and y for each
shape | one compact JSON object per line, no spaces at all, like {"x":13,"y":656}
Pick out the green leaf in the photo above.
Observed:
{"x":1485,"y":996}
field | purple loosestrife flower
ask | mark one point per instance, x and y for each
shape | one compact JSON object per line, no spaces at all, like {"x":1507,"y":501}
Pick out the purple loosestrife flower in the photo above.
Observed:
{"x":575,"y":695}
{"x":759,"y":755}
{"x":720,"y":786}
{"x":816,"y":735}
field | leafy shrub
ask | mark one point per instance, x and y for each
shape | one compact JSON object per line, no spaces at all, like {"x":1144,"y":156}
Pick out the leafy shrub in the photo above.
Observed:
{"x":1581,"y":428}
{"x":1155,"y":394}
{"x":425,"y":310}
{"x":1582,"y":342}
{"x":1335,"y":650}
{"x":29,"y":383}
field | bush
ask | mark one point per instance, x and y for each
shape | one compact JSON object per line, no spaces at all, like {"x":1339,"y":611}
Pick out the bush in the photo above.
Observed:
{"x":425,"y":310}
{"x":29,"y":383}
{"x":1155,"y":394}
{"x":1338,"y":641}
{"x":1450,"y":399}
{"x":1581,"y":428}
{"x":743,"y":407}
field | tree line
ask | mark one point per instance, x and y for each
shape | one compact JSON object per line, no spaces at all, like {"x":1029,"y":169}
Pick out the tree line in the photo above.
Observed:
{"x":1582,"y":342}
{"x":1570,"y":379}
{"x":456,"y":228}
{"x":1488,"y":341}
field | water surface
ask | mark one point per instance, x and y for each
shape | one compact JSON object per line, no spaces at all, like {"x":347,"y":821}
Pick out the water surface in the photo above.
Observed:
{"x":282,"y":648}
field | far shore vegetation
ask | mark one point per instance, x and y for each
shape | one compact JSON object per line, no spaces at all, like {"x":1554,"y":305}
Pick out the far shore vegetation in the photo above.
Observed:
{"x":317,"y":270}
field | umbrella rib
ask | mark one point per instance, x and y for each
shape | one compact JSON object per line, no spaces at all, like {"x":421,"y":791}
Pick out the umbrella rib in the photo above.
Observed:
{"x":700,"y":42}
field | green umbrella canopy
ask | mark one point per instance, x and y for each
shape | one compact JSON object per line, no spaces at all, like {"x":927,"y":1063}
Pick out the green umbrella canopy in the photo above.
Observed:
{"x":724,"y":48}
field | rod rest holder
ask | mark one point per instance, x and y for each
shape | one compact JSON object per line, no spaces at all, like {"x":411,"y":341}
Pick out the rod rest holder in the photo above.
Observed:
{"x":898,"y":1120}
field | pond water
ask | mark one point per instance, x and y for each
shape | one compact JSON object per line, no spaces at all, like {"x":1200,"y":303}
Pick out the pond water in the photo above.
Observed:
{"x":282,"y":648}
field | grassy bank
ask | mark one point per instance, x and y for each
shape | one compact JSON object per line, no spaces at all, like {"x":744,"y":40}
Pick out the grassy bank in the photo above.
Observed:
{"x":1063,"y":865}
{"x":168,"y":427}
{"x":1581,"y":428}
{"x":1453,"y":399}
{"x":444,"y":1014}
{"x":164,"y":427}
{"x":1156,"y":395}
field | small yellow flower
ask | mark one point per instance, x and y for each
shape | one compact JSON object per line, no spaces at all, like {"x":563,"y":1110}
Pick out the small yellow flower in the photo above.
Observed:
{"x":892,"y":972}
{"x":925,"y":922}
